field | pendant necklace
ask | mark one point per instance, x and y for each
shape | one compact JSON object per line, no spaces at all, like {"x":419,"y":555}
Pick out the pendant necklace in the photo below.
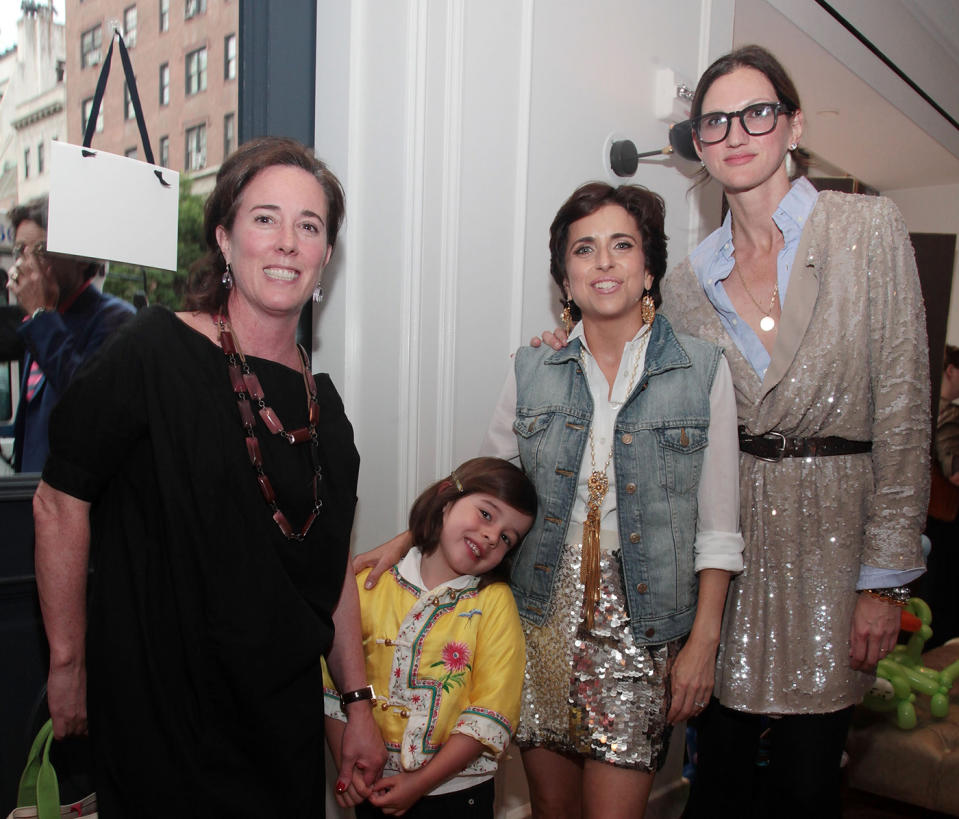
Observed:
{"x":246,"y":386}
{"x":597,"y":485}
{"x":767,"y":322}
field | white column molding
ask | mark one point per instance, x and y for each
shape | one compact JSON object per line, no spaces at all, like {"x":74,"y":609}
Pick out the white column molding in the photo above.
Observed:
{"x":449,"y":235}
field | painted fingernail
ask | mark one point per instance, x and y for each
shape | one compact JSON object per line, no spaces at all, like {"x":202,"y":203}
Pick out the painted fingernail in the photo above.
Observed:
{"x":341,"y":787}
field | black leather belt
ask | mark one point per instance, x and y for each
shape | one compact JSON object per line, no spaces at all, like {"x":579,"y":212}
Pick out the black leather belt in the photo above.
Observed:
{"x":774,"y":446}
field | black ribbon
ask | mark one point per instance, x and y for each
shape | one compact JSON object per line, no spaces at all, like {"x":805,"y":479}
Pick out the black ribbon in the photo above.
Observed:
{"x":134,"y":99}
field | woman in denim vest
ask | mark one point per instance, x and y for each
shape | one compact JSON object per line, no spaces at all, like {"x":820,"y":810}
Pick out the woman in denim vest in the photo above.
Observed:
{"x":629,"y":435}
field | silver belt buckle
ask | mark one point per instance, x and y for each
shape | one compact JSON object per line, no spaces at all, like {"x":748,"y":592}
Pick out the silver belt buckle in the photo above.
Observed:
{"x":782,"y":449}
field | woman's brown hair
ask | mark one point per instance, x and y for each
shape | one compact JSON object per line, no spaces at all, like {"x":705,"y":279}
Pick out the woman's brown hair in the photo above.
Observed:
{"x":204,"y":290}
{"x":491,"y":476}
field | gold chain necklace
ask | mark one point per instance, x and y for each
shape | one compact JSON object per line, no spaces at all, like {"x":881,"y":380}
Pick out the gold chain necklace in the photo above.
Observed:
{"x":597,"y":485}
{"x":767,"y":322}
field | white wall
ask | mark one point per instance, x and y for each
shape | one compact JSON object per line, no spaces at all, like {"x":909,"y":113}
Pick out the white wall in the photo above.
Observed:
{"x":934,"y":209}
{"x":458,"y":128}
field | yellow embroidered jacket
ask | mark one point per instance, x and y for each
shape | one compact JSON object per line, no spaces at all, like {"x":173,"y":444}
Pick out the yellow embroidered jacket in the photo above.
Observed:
{"x":441,"y":661}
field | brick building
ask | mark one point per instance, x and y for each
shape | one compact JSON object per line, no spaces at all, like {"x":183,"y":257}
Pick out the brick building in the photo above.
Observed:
{"x":185,"y":58}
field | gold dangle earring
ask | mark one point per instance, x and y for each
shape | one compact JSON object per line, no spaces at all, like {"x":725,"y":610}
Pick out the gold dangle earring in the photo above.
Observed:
{"x":648,"y":308}
{"x":566,"y":317}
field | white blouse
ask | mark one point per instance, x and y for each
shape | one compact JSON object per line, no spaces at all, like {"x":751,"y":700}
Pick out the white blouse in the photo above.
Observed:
{"x":718,"y":544}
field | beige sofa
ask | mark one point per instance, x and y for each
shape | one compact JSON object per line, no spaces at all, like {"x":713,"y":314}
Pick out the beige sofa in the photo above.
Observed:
{"x":920,"y":766}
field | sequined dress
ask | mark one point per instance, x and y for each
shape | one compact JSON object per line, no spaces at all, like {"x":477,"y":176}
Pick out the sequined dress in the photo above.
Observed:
{"x":612,"y":705}
{"x":850,"y":360}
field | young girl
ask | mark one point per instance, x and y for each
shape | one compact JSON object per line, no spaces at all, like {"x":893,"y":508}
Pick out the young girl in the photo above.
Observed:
{"x":444,"y":649}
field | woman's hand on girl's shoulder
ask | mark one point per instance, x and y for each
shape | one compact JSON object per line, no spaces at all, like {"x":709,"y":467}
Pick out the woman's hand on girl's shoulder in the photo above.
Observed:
{"x":557,"y":339}
{"x":380,"y":559}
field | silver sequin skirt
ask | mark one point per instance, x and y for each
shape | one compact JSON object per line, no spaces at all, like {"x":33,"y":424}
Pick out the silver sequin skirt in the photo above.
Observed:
{"x":595,"y":693}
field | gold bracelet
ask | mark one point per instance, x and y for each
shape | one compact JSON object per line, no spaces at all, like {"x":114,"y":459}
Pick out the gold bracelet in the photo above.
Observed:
{"x":886,"y":598}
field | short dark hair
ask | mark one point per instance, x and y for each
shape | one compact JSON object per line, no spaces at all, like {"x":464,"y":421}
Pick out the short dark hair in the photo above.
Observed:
{"x":647,"y":209}
{"x":951,"y":357}
{"x":758,"y":58}
{"x":33,"y":211}
{"x":204,"y":291}
{"x":492,"y":476}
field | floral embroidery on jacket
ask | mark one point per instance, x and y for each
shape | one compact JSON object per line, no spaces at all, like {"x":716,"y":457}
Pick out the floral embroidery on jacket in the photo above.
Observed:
{"x":456,"y":659}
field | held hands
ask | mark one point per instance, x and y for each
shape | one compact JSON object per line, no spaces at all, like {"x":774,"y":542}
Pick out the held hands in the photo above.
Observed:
{"x":394,"y":795}
{"x":362,"y":756}
{"x":874,"y":631}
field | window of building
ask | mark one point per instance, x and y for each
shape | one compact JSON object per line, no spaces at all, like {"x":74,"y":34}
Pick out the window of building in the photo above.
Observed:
{"x":229,"y":134}
{"x":193,"y":7}
{"x":90,"y":42}
{"x":195,"y":148}
{"x":87,"y":107}
{"x":128,"y":112}
{"x":196,"y":71}
{"x":164,"y":158}
{"x":164,"y":15}
{"x":39,"y":158}
{"x":229,"y":57}
{"x":164,"y":95}
{"x":26,"y":163}
{"x":130,"y":26}
{"x":131,"y":153}
{"x":61,"y":70}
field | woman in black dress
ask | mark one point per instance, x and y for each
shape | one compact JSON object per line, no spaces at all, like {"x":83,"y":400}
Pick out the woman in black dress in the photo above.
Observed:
{"x":209,"y":480}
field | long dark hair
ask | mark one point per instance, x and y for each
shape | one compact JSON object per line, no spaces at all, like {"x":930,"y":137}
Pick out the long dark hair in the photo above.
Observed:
{"x":204,"y":291}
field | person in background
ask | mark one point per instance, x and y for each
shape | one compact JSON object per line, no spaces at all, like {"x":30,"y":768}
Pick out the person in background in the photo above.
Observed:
{"x":947,"y":422}
{"x":209,"y":479}
{"x":444,"y":648}
{"x":67,"y":320}
{"x":938,"y":587}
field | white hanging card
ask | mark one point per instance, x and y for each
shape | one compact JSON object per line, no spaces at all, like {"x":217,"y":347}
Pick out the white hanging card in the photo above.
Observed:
{"x":104,"y":206}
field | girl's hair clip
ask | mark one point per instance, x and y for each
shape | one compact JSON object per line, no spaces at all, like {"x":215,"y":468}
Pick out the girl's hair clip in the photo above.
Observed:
{"x":456,"y":482}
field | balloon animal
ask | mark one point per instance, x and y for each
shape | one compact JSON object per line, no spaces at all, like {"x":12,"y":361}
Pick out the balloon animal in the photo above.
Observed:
{"x":901,"y":675}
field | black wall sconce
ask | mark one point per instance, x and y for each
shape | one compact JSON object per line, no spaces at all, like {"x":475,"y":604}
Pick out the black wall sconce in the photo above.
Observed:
{"x":624,"y":158}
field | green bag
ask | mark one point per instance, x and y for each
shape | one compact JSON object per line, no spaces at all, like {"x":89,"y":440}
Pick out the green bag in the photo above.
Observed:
{"x":39,"y":793}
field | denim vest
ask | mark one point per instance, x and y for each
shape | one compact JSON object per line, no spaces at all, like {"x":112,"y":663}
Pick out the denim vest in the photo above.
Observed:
{"x":660,"y":437}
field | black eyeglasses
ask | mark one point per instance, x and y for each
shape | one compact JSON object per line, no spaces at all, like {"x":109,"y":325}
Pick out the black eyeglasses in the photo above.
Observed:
{"x":757,"y":119}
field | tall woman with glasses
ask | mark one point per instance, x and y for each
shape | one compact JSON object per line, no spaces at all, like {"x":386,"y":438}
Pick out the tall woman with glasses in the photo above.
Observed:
{"x":816,"y":300}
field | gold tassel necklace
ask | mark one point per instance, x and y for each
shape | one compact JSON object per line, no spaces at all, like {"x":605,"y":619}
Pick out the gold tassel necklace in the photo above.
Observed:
{"x":597,"y":485}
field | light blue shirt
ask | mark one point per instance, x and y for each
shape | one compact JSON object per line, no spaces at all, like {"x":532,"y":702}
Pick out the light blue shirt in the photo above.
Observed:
{"x":713,"y":261}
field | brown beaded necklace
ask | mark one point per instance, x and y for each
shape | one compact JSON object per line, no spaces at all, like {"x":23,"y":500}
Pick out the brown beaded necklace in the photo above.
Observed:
{"x":246,"y":386}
